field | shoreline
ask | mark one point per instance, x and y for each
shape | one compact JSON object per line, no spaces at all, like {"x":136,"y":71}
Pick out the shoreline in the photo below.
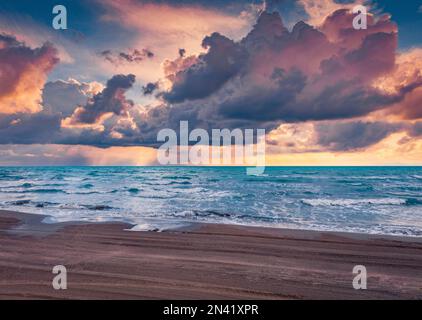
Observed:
{"x":202,"y":261}
{"x":34,"y":222}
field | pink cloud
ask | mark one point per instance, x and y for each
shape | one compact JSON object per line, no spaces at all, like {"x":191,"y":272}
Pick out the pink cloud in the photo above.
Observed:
{"x":23,"y":72}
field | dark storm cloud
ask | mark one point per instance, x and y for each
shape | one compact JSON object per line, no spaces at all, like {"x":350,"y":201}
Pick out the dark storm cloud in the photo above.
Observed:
{"x":344,"y":1}
{"x":111,"y":99}
{"x":29,"y":128}
{"x":318,"y":79}
{"x":182,"y":52}
{"x":271,"y":76}
{"x":222,"y":61}
{"x":149,"y":88}
{"x":346,"y":136}
{"x":134,"y":56}
{"x":264,"y":104}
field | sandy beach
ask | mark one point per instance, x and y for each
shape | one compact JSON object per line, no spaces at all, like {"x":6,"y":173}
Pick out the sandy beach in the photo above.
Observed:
{"x":204,"y":261}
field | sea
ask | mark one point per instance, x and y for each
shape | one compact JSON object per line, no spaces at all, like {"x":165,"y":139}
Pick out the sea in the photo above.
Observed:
{"x":372,"y":200}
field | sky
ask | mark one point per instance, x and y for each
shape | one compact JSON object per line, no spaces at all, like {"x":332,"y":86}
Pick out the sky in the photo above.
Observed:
{"x":98,"y":92}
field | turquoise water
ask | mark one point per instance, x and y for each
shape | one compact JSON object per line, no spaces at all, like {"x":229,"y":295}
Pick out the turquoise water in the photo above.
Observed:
{"x":383,"y":200}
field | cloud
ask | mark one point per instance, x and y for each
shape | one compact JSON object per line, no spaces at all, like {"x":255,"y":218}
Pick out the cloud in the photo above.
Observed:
{"x":222,"y":61}
{"x":107,"y":119}
{"x":165,"y":27}
{"x":291,"y":11}
{"x":274,"y":74}
{"x":182,"y":52}
{"x":27,"y":128}
{"x":23,"y":72}
{"x":149,"y":88}
{"x":333,"y":136}
{"x":407,"y":72}
{"x":318,"y":10}
{"x":271,"y":77}
{"x":347,"y":136}
{"x":59,"y":155}
{"x":132,"y":56}
{"x":172,"y":23}
{"x":338,"y":27}
{"x":43,"y":155}
{"x":416,"y":129}
{"x":111,"y":100}
{"x":411,"y":106}
{"x":172,"y":67}
{"x":64,"y":96}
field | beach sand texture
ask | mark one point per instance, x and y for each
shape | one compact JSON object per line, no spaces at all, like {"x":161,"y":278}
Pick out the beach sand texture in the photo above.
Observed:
{"x":205,"y":261}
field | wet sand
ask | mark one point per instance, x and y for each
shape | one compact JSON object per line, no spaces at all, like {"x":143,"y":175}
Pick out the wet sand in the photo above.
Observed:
{"x":205,"y":261}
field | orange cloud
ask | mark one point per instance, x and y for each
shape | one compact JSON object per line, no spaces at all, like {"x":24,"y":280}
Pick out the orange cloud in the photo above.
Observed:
{"x":406,"y":72}
{"x":23,"y":73}
{"x":391,"y":151}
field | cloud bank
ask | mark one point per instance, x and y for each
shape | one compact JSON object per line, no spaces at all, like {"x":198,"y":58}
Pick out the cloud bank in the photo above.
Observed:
{"x":271,"y":77}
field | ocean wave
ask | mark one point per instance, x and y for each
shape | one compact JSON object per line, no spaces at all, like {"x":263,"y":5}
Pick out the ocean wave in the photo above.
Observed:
{"x":149,"y":196}
{"x":27,"y":185}
{"x":207,"y":213}
{"x":411,"y":188}
{"x":181,"y":183}
{"x":177,"y":177}
{"x":71,"y":206}
{"x":85,"y":192}
{"x":59,"y":177}
{"x":74,"y":206}
{"x":167,"y":183}
{"x":277,"y":180}
{"x":353,"y":202}
{"x":98,"y":207}
{"x":54,"y":205}
{"x":259,"y":174}
{"x":5,"y":176}
{"x":351,"y":182}
{"x":27,"y":202}
{"x":45,"y":191}
{"x":413,"y":202}
{"x":307,"y":173}
{"x":390,"y":202}
{"x":254,"y":218}
{"x":34,"y":191}
{"x":87,"y":186}
{"x":19,"y":202}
